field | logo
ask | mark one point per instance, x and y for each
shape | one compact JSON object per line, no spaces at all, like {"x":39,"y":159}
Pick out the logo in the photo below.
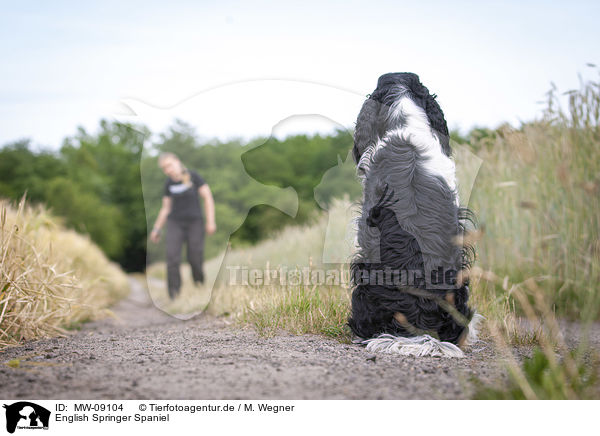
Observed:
{"x":26,"y":415}
{"x":178,"y":189}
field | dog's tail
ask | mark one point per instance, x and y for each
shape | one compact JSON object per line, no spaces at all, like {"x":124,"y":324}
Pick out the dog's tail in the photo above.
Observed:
{"x":423,"y":345}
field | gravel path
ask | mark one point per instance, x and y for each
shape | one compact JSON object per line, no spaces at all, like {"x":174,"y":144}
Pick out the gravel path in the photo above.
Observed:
{"x":146,"y":354}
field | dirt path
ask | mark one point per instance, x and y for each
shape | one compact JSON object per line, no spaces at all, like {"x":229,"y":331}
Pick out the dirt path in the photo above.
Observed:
{"x":146,"y":354}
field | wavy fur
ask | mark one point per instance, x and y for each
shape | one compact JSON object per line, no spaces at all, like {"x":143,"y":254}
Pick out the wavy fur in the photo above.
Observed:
{"x":410,"y":221}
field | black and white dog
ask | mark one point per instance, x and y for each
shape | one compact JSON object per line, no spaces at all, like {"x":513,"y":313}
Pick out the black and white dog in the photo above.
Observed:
{"x":408,"y":294}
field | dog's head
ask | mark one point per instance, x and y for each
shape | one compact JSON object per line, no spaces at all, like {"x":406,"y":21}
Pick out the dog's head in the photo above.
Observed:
{"x":382,"y":112}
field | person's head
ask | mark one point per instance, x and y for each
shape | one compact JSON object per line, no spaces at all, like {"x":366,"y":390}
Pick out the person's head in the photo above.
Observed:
{"x":170,"y":164}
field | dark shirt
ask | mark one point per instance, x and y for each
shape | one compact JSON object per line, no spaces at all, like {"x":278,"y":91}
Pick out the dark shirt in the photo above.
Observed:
{"x":185,"y":203}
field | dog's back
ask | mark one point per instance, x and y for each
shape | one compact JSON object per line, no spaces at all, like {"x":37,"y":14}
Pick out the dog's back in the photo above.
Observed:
{"x":405,"y":273}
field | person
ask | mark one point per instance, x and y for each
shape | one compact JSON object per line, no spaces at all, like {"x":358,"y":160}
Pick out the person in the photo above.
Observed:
{"x":181,"y":212}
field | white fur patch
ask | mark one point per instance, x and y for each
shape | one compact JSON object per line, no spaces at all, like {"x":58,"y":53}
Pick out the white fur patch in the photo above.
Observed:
{"x":423,"y":346}
{"x":364,"y":164}
{"x":474,"y":326}
{"x":418,"y":346}
{"x":418,"y":132}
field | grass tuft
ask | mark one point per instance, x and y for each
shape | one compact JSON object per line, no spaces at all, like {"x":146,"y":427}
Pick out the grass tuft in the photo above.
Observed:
{"x":300,"y":310}
{"x":51,"y":278}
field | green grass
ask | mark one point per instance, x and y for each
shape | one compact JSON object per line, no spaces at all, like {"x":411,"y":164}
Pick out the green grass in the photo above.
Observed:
{"x":556,"y":369}
{"x":301,"y":310}
{"x":540,"y":378}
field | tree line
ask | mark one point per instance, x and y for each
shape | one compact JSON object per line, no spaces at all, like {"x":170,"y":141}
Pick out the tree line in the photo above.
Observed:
{"x":108,"y":184}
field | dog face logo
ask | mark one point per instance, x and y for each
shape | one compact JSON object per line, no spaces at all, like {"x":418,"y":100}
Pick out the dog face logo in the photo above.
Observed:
{"x":26,"y":415}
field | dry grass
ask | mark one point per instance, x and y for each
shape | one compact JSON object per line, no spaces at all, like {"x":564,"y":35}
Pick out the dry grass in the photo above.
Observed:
{"x":51,"y":279}
{"x":556,"y":369}
{"x":539,"y":259}
{"x":538,"y":199}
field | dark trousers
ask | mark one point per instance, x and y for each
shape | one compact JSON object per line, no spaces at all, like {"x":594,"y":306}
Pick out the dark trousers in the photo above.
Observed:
{"x":192,"y":233}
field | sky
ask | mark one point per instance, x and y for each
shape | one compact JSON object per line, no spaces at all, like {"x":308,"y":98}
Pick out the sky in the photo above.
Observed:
{"x":244,"y":69}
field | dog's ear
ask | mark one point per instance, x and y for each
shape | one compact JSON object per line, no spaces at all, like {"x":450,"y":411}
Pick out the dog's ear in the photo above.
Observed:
{"x":432,"y":109}
{"x":438,"y":122}
{"x":355,"y":153}
{"x":365,"y":132}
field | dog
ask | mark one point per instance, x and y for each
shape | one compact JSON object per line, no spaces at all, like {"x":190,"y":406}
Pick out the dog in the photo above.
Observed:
{"x":410,"y":289}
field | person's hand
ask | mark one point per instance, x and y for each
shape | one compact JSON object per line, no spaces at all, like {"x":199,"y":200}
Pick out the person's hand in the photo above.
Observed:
{"x":210,"y":228}
{"x":155,"y":236}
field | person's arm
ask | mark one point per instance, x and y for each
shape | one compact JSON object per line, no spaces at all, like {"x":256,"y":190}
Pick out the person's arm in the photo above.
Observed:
{"x":160,"y":220}
{"x":209,"y":208}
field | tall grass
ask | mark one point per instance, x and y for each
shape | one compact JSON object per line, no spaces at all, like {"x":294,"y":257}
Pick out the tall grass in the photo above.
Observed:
{"x":51,"y":278}
{"x":540,"y":255}
{"x":555,"y":369}
{"x":537,"y":197}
